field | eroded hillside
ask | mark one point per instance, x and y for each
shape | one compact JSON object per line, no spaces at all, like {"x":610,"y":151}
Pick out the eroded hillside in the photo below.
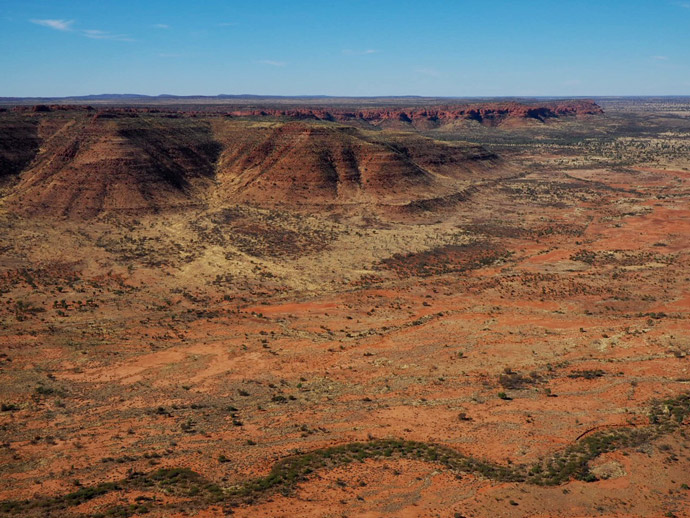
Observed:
{"x":81,"y":164}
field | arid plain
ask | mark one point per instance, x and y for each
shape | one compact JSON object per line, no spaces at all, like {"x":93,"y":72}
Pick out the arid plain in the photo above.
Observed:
{"x":398,"y":310}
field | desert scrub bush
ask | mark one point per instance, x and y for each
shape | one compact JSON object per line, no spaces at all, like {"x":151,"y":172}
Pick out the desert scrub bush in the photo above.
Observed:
{"x":515,"y":381}
{"x":44,"y":391}
{"x":587,"y":374}
{"x":24,"y":309}
{"x":584,"y":256}
{"x":670,"y":412}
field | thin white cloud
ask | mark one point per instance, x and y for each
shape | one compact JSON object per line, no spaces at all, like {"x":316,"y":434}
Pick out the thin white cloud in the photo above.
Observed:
{"x":350,"y":52}
{"x":161,"y":26}
{"x":272,"y":62}
{"x":685,"y":5}
{"x":661,"y":58}
{"x":227,"y":24}
{"x":95,"y":34}
{"x":92,"y":33}
{"x":58,"y":25}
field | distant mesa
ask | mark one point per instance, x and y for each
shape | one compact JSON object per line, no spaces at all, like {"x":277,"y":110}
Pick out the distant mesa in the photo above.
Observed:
{"x":491,"y":114}
{"x":80,"y":162}
{"x":391,"y":115}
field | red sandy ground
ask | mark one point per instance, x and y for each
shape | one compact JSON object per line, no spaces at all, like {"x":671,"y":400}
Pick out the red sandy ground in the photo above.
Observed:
{"x":374,"y":360}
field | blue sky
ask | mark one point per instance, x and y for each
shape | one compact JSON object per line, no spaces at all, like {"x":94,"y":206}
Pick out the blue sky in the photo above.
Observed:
{"x":345,"y":47}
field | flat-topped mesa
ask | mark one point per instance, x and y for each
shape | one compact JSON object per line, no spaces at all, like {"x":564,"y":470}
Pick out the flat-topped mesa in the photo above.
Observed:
{"x":487,"y":113}
{"x":306,"y":162}
{"x":76,"y":161}
{"x":420,"y":117}
{"x":80,"y":164}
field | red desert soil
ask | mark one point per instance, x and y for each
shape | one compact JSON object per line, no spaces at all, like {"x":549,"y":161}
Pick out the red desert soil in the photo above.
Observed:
{"x":189,"y":300}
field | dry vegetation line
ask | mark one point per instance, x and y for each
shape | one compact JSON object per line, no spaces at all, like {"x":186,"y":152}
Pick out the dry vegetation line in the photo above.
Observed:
{"x":665,"y":417}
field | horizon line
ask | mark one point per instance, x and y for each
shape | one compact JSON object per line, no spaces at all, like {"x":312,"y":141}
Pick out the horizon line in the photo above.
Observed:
{"x":331,"y":96}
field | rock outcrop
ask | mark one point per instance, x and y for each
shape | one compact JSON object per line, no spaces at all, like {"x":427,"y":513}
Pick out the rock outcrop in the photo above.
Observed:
{"x":87,"y":165}
{"x":58,"y":160}
{"x":303,"y":162}
{"x":485,"y":113}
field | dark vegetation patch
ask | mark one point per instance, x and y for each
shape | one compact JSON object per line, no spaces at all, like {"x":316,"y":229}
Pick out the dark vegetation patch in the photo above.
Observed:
{"x":621,"y":257}
{"x":549,"y":286}
{"x":571,"y":463}
{"x":551,"y":193}
{"x":587,"y":374}
{"x":270,"y":234}
{"x":264,"y":241}
{"x":516,"y":381}
{"x":128,"y":248}
{"x":506,"y":230}
{"x":57,"y":273}
{"x":445,"y":259}
{"x":181,"y":482}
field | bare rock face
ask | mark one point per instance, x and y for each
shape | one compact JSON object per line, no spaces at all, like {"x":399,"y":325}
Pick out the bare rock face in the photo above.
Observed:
{"x":487,"y":113}
{"x":308,"y":163}
{"x":69,"y":161}
{"x":19,"y":143}
{"x":88,"y":165}
{"x":300,"y":162}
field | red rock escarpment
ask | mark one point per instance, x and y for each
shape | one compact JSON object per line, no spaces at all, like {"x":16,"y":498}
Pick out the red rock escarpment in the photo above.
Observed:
{"x":486,"y":113}
{"x":80,"y":164}
{"x":306,"y":163}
